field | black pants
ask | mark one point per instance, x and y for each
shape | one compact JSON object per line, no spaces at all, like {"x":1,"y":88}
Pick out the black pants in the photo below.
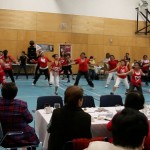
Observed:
{"x":132,"y":87}
{"x":86,"y":75}
{"x":92,"y":74}
{"x":65,"y":69}
{"x":46,"y":73}
{"x":70,"y":69}
{"x":20,"y":68}
{"x":10,"y":74}
{"x":145,"y":78}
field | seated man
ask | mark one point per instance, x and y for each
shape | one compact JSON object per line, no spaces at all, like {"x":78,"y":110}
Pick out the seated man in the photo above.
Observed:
{"x":129,"y":130}
{"x":15,"y":116}
{"x":70,"y":121}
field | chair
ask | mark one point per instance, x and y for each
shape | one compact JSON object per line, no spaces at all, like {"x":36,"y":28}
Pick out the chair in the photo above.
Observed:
{"x":51,"y":100}
{"x":15,"y":133}
{"x":110,"y":100}
{"x":88,"y":101}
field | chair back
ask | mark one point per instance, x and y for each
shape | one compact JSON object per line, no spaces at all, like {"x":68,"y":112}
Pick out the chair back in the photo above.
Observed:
{"x":51,"y":100}
{"x":110,"y":100}
{"x":88,"y":101}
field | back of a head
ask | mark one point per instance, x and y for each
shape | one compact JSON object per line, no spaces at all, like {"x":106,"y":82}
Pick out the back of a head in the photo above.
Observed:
{"x":135,"y":100}
{"x":72,"y":96}
{"x":129,"y":127}
{"x":9,"y":91}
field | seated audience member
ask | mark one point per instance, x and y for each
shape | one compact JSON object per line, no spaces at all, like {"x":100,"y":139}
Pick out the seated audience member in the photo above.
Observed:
{"x":129,"y":130}
{"x":134,"y":100}
{"x":15,"y":116}
{"x":70,"y":121}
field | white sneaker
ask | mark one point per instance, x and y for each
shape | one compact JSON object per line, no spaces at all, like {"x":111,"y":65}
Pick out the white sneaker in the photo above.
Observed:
{"x":92,"y":88}
{"x":33,"y":84}
{"x":106,"y":86}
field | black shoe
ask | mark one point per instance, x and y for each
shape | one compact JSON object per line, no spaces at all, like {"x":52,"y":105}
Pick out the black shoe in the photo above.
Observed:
{"x":146,"y":84}
{"x":111,"y":93}
{"x":68,"y":81}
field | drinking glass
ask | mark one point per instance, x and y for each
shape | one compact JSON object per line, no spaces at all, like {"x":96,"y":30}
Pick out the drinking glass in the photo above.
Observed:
{"x":56,"y":105}
{"x":118,"y":108}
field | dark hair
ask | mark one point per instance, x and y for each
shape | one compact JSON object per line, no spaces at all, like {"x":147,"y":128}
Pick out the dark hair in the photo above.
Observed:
{"x":54,"y":55}
{"x":137,"y":63}
{"x":135,"y":100}
{"x":5,"y":52}
{"x":23,"y":52}
{"x":9,"y":91}
{"x":129,"y":127}
{"x":72,"y":96}
{"x":123,"y":60}
{"x":31,"y":43}
{"x":83,"y":53}
{"x":91,"y":57}
{"x":112,"y":56}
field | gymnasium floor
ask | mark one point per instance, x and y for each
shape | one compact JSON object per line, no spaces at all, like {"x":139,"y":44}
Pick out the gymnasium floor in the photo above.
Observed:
{"x":29,"y":93}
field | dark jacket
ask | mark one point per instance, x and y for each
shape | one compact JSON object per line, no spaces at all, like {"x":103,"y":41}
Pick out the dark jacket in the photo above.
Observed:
{"x":67,"y":124}
{"x":15,"y":116}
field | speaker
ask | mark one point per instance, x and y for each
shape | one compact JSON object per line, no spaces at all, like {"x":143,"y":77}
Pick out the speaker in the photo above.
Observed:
{"x":31,"y":53}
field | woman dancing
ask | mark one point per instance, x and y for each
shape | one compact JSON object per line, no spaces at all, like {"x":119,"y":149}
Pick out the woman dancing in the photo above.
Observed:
{"x":43,"y":68}
{"x":83,"y":69}
{"x":54,"y":72}
{"x":112,"y":65}
{"x":122,"y":68}
{"x":136,"y":75}
{"x":7,"y":65}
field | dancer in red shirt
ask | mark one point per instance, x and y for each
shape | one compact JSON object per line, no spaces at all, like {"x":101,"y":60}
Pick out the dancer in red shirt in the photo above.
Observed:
{"x":145,"y":68}
{"x":64,"y":65}
{"x":43,"y":68}
{"x":120,"y":69}
{"x":54,"y":73}
{"x":136,"y":75}
{"x":83,"y":69}
{"x":112,"y":65}
{"x":2,"y":73}
{"x":7,"y":65}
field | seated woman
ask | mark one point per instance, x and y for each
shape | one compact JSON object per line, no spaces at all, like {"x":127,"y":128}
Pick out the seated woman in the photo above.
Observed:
{"x":15,"y":116}
{"x":129,"y":130}
{"x":69,"y":122}
{"x":134,"y":100}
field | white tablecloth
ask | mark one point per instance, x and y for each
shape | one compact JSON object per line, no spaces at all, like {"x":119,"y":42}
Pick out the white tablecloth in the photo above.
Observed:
{"x":98,"y":127}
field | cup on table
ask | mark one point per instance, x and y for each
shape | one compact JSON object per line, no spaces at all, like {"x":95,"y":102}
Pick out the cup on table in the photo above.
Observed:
{"x":56,"y":105}
{"x":47,"y":108}
{"x":118,"y":108}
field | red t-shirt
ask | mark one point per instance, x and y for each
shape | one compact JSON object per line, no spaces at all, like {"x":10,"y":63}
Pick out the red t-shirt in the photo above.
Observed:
{"x":42,"y":61}
{"x":62,"y":60}
{"x":122,"y":69}
{"x":136,"y":78}
{"x":54,"y":67}
{"x":83,"y":65}
{"x":112,"y":64}
{"x":145,"y":62}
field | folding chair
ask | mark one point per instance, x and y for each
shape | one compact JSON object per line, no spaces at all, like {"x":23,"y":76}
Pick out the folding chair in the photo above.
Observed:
{"x":13,"y":133}
{"x":110,"y":100}
{"x":51,"y":100}
{"x":88,"y":101}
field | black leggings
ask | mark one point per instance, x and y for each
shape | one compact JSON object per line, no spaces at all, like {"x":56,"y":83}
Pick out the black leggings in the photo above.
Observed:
{"x":36,"y":70}
{"x":25,"y":70}
{"x":132,"y":87}
{"x":45,"y":71}
{"x":65,"y":69}
{"x":86,"y":75}
{"x":145,"y":78}
{"x":10,"y":74}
